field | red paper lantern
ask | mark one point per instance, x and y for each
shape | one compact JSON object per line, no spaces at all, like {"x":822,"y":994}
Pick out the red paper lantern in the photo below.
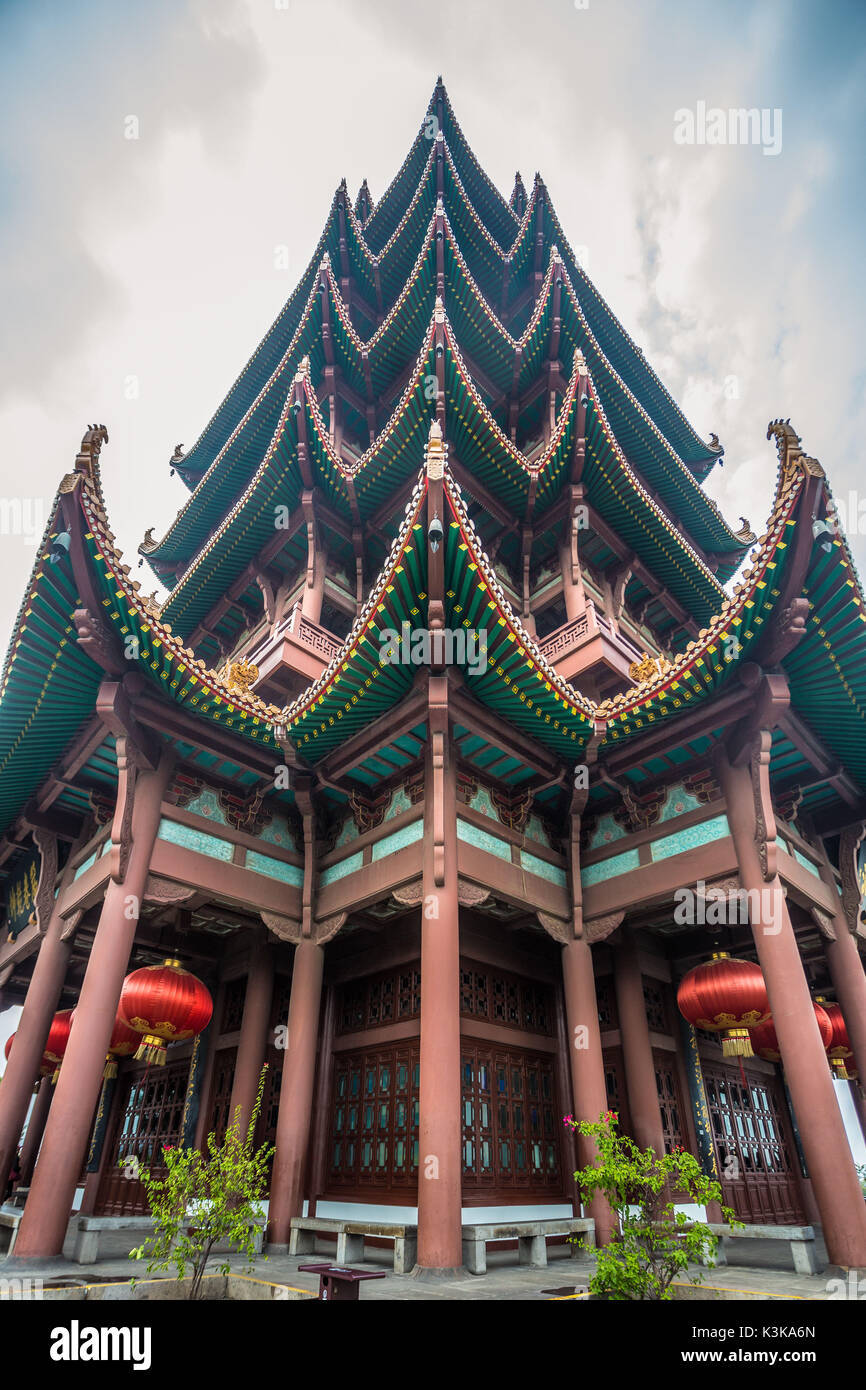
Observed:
{"x":123,"y":1042}
{"x":164,"y":1003}
{"x":725,"y":996}
{"x":839,"y":1047}
{"x":58,"y":1037}
{"x":765,"y":1043}
{"x":46,"y":1068}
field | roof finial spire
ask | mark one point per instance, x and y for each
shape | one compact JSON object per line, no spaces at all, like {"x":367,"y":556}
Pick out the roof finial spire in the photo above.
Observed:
{"x":434,"y":457}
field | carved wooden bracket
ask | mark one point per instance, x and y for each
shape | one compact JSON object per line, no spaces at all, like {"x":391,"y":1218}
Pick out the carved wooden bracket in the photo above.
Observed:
{"x":765,"y":820}
{"x":600,"y":928}
{"x":824,"y":922}
{"x":46,"y":843}
{"x":471,"y":894}
{"x":167,"y":893}
{"x":288,"y":930}
{"x":555,"y":927}
{"x":121,"y":826}
{"x":304,"y":802}
{"x":282,"y":927}
{"x":95,"y":639}
{"x":409,"y":895}
{"x":72,"y":924}
{"x":849,"y":845}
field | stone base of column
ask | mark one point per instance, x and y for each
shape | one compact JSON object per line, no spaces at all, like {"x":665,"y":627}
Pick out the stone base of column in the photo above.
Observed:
{"x":276,"y":1249}
{"x":432,"y":1276}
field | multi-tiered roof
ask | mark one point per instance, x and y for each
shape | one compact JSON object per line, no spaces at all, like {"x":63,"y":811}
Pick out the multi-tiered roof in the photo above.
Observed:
{"x":445,"y":303}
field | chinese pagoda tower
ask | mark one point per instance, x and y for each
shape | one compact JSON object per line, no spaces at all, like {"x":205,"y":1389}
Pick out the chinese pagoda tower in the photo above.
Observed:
{"x":452,"y":750}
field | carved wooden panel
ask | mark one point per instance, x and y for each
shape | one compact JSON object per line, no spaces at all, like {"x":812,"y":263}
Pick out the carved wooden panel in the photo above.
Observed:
{"x":670,"y":1101}
{"x":149,"y":1114}
{"x":753,"y":1147}
{"x":511,"y":1122}
{"x":373,"y":1144}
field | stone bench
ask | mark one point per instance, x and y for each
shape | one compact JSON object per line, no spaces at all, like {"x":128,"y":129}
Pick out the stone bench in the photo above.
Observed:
{"x":90,"y":1228}
{"x":10,"y":1220}
{"x":531,"y":1237}
{"x":351,"y":1236}
{"x":800,"y":1238}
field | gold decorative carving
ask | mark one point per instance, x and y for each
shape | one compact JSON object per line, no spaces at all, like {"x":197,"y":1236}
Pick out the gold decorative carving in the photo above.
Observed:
{"x":648,"y":668}
{"x":239,"y":676}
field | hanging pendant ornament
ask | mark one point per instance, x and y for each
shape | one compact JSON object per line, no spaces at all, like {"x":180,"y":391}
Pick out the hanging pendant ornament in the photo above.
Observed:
{"x":725,"y":996}
{"x":163,"y":1004}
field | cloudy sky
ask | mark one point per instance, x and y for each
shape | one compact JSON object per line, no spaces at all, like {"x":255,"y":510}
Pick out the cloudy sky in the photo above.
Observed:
{"x":138,"y":274}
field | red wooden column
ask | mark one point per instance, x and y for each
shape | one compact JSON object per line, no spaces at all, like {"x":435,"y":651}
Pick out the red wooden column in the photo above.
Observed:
{"x":299,"y":1069}
{"x":35,"y":1129}
{"x":43,"y":1225}
{"x":640,"y":1074}
{"x":296,"y":1092}
{"x":843,"y":958}
{"x":587,"y":1064}
{"x":440,"y":1158}
{"x":825,"y":1144}
{"x":254,"y":1027}
{"x":40,"y":1005}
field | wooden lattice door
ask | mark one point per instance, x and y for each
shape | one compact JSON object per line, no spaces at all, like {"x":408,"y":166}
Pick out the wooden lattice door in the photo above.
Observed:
{"x":753,"y":1147}
{"x":149,"y":1115}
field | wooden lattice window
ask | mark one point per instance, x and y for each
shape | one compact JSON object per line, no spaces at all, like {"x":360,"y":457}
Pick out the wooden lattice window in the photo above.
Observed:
{"x":670,"y":1104}
{"x":379,"y":1000}
{"x":374,"y":1119}
{"x":149,"y":1115}
{"x":505,"y":999}
{"x":606,"y":1004}
{"x":655,"y":1005}
{"x":510,"y":1130}
{"x":221,"y":1092}
{"x":233,"y":1005}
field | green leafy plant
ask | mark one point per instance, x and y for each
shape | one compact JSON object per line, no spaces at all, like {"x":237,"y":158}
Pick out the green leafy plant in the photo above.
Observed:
{"x":204,"y":1199}
{"x":655,"y":1242}
{"x":861,"y":1173}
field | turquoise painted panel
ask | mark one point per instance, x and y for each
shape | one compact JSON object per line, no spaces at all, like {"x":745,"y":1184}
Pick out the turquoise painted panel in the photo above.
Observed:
{"x":278,"y":833}
{"x":693,"y":835}
{"x":534,"y":830}
{"x":274,"y":868}
{"x":677,"y":802}
{"x":481,"y":839}
{"x":349,"y":832}
{"x":207,"y":804}
{"x":399,"y":840}
{"x":82,"y":868}
{"x":481,"y":802}
{"x":605,"y":830}
{"x":609,"y":868}
{"x":338,"y":871}
{"x":399,"y":803}
{"x":543,"y":868}
{"x":804,"y":860}
{"x":199,"y":840}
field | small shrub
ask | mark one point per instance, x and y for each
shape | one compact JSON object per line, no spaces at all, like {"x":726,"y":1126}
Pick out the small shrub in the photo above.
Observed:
{"x":204,"y":1199}
{"x":655,"y":1242}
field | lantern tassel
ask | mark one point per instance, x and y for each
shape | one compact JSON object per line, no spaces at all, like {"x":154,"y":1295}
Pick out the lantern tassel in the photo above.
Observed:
{"x":151,"y":1050}
{"x":109,"y":1071}
{"x":737,"y":1043}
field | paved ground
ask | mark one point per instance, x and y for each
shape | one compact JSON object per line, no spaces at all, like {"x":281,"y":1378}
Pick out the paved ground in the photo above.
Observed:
{"x":766,"y":1273}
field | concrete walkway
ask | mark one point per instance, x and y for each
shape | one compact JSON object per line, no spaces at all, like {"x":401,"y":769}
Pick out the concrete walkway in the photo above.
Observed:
{"x":505,"y":1279}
